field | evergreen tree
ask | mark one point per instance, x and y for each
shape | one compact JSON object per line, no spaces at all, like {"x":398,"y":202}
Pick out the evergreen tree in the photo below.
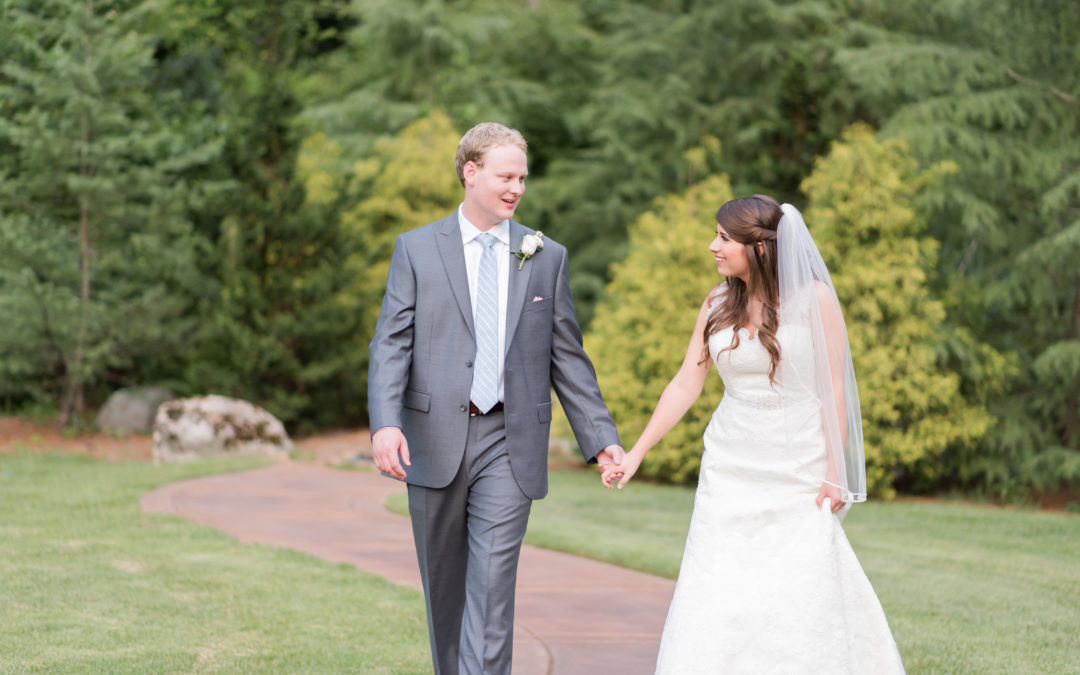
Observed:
{"x":756,"y":74}
{"x":609,"y":94}
{"x":95,"y":259}
{"x":271,"y":331}
{"x":995,"y":88}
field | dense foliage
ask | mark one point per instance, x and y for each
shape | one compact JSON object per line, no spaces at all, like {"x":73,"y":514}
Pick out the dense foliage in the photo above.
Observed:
{"x":863,"y":211}
{"x":203,"y":193}
{"x":644,"y":324}
{"x":94,"y":243}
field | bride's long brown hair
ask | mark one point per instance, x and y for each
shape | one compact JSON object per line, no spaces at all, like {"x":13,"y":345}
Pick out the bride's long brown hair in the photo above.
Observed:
{"x":750,"y":221}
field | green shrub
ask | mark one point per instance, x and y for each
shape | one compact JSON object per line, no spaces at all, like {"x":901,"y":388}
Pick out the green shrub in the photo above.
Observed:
{"x":643,"y":324}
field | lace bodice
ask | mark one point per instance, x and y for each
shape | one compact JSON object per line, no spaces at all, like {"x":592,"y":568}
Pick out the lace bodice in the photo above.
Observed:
{"x":745,"y":369}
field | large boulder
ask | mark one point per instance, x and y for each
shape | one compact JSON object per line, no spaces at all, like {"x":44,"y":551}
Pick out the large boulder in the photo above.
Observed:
{"x":131,"y":410}
{"x":210,"y":426}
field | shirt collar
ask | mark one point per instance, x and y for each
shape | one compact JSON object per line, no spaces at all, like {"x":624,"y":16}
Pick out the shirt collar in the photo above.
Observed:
{"x":470,"y":231}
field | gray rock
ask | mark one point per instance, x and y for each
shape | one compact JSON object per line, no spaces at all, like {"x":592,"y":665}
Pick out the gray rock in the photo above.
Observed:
{"x":209,"y":426}
{"x":131,"y":410}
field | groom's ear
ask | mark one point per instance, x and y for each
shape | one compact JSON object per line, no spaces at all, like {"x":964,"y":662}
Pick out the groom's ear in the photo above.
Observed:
{"x":468,"y":172}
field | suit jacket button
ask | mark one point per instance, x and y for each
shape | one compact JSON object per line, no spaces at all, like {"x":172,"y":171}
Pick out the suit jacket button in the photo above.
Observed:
{"x":468,"y":362}
{"x":463,"y":408}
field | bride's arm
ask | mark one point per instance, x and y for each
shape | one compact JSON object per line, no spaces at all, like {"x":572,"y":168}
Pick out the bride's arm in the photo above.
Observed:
{"x":678,"y":396}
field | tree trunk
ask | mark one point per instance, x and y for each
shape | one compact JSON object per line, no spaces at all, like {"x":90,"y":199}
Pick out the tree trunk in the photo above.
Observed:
{"x":1072,"y":403}
{"x":73,"y":400}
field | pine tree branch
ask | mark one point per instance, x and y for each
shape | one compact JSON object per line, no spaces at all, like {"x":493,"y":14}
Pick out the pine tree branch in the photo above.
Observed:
{"x":46,"y":320}
{"x":968,"y":256}
{"x":1041,"y":85}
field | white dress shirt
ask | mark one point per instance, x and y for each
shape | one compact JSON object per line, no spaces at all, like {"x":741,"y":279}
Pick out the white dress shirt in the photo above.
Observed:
{"x":473,"y":250}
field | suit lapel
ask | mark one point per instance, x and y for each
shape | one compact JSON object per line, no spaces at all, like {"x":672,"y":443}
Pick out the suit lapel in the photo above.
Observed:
{"x":519,"y":281}
{"x":452,"y":253}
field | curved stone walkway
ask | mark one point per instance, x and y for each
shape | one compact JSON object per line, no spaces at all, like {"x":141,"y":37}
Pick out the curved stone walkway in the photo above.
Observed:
{"x":573,"y":615}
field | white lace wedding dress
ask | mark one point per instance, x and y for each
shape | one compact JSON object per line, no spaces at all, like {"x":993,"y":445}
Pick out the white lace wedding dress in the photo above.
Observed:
{"x":769,"y":583}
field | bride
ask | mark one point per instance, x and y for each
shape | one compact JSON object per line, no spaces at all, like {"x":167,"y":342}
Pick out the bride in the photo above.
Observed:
{"x":769,"y":582}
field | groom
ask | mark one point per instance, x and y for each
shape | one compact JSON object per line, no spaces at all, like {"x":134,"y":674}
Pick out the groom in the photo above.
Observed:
{"x":476,"y":327}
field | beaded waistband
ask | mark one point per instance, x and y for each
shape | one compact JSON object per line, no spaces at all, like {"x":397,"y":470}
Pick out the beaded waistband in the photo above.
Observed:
{"x":766,"y":401}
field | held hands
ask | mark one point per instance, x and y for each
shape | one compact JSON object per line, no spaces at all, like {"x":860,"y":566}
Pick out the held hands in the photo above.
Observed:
{"x":609,"y":459}
{"x":386,"y":444}
{"x":621,"y":473}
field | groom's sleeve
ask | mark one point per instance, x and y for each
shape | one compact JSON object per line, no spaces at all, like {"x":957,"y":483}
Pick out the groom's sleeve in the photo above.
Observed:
{"x":573,"y":375}
{"x":390,"y":352}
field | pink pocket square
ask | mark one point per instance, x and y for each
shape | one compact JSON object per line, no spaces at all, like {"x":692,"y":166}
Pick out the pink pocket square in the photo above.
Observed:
{"x":537,"y":299}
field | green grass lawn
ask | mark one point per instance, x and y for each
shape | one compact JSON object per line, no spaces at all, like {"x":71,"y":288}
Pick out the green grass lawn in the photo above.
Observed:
{"x":973,"y":589}
{"x":91,"y":584}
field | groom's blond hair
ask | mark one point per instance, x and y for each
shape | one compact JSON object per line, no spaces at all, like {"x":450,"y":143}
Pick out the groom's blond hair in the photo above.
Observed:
{"x":483,"y":137}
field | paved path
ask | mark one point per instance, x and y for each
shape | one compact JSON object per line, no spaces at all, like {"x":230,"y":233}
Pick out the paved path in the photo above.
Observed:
{"x":573,"y":615}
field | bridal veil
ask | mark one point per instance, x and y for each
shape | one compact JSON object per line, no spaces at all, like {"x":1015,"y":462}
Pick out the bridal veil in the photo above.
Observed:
{"x":808,"y":300}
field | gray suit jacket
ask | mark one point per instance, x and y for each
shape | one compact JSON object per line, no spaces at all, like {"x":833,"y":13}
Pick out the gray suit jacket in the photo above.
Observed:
{"x":420,"y":373}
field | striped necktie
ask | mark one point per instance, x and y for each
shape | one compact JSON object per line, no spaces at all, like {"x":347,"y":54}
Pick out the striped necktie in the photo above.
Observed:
{"x":485,"y":386}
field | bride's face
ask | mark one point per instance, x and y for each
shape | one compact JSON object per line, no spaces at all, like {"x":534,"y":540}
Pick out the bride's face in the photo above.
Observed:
{"x":730,"y":256}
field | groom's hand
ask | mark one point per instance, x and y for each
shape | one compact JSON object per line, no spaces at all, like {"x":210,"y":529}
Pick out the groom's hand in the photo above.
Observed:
{"x":607,"y":459}
{"x":386,"y":444}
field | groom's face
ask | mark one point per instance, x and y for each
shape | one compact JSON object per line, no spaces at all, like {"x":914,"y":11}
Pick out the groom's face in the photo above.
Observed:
{"x":493,"y":191}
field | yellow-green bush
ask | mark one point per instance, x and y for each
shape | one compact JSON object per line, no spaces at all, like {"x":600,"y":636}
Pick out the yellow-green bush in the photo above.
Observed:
{"x":643,"y":323}
{"x":863,"y":217}
{"x":406,"y":181}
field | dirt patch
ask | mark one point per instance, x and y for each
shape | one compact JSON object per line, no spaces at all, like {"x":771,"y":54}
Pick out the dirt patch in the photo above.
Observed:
{"x":19,"y":435}
{"x":335,"y":447}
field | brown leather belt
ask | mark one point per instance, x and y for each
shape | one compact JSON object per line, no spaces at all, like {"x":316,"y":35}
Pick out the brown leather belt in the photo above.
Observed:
{"x":473,"y":410}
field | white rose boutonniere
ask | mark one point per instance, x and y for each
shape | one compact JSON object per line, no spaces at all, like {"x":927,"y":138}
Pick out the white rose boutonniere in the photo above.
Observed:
{"x":529,"y":246}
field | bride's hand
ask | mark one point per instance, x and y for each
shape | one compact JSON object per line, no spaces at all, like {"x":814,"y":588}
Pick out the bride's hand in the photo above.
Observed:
{"x":827,"y":491}
{"x":622,"y":473}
